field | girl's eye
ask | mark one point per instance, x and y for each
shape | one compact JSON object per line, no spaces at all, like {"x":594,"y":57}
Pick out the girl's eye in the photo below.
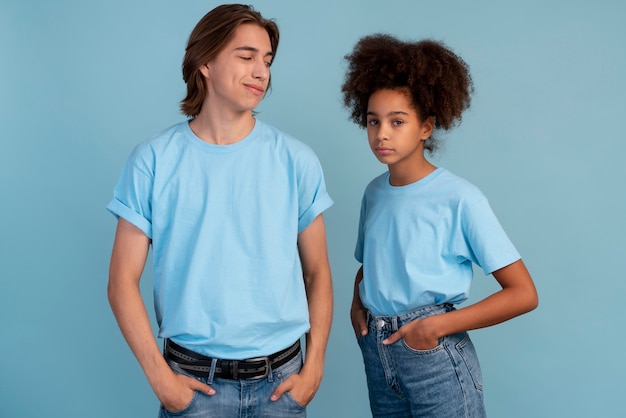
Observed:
{"x":246,"y":58}
{"x":372,"y":122}
{"x":398,"y":122}
{"x":268,"y":64}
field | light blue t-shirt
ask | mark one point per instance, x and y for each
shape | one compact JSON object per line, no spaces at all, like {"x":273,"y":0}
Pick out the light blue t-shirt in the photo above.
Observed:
{"x":224,"y":222}
{"x":417,"y":242}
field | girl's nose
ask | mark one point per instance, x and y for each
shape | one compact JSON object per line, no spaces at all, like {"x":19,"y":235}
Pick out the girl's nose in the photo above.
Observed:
{"x":383,"y":133}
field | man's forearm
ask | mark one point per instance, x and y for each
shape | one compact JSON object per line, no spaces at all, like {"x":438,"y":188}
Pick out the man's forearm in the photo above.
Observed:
{"x":132,"y":318}
{"x":320,"y":297}
{"x":130,"y":251}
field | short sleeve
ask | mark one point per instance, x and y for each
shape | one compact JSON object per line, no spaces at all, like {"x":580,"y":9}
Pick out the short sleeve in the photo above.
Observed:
{"x":489,"y":244}
{"x":313,"y":199}
{"x":358,"y":251}
{"x":132,"y":195}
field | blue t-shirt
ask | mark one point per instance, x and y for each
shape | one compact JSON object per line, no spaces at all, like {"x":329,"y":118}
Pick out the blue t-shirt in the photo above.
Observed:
{"x":417,"y":242}
{"x":224,"y":222}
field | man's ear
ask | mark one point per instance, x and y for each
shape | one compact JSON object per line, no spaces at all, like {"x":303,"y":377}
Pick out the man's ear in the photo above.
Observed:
{"x":204,"y":69}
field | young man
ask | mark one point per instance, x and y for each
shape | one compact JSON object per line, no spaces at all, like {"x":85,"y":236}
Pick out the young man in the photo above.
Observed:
{"x":232,"y":208}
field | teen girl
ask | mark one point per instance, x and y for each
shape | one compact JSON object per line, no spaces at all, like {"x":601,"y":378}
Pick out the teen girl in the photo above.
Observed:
{"x":420,"y":230}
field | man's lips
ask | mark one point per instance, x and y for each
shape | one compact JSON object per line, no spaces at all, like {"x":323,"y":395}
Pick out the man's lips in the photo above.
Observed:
{"x":255,"y":89}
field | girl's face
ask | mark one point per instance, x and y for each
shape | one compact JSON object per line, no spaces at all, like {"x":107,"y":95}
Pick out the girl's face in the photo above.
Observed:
{"x":395,"y":131}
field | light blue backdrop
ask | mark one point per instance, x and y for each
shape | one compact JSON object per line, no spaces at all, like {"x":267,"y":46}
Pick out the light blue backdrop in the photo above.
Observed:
{"x":82,"y":82}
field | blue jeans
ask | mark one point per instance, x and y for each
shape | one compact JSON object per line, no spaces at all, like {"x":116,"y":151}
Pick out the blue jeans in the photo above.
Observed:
{"x":444,"y":381}
{"x":242,"y":398}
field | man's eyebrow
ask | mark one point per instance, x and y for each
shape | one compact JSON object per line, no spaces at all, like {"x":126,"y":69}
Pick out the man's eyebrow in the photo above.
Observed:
{"x":253,"y":49}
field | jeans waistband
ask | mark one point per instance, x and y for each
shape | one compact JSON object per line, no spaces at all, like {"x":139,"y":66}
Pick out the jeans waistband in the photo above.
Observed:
{"x":393,"y":322}
{"x":254,"y":368}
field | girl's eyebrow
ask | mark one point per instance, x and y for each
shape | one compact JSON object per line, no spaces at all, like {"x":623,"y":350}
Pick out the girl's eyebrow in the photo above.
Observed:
{"x":392,"y":113}
{"x":253,"y":49}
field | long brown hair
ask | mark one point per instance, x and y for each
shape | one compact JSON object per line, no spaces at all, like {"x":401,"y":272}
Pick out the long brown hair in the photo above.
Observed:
{"x":208,"y":38}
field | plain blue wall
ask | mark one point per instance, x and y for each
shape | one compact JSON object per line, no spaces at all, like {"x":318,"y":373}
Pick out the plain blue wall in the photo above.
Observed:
{"x":82,"y":82}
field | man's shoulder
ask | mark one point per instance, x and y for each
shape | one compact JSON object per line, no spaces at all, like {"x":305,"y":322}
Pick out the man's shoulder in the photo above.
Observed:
{"x":166,"y":135}
{"x":283,"y":140}
{"x":162,"y":139}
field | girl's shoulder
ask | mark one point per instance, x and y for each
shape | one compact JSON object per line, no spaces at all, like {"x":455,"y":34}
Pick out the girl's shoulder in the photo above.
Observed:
{"x":458,"y":187}
{"x":447,"y":177}
{"x":440,"y":179}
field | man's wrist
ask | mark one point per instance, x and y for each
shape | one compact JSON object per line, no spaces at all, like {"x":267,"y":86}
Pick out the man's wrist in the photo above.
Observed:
{"x":313,"y":373}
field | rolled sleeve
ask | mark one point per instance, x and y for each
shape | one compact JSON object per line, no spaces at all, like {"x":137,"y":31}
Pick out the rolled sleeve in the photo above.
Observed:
{"x":132,"y":196}
{"x":320,"y":205}
{"x":120,"y":210}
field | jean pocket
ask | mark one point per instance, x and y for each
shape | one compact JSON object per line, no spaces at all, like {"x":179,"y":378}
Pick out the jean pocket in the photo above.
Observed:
{"x":293,"y":401}
{"x":183,"y":412}
{"x":283,"y":373}
{"x":189,"y":407}
{"x":436,"y":348}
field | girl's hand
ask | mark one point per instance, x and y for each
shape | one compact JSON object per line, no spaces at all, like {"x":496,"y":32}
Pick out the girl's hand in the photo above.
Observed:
{"x":419,"y":334}
{"x":358,"y":316}
{"x":518,"y":296}
{"x":358,"y":313}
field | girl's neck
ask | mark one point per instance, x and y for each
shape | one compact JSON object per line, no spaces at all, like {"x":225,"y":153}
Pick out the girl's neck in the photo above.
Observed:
{"x":402,"y":175}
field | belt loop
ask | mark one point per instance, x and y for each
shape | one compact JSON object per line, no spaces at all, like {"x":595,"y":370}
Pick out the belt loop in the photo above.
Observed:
{"x":394,"y":323}
{"x":270,"y":372}
{"x":212,"y":371}
{"x":235,"y":371}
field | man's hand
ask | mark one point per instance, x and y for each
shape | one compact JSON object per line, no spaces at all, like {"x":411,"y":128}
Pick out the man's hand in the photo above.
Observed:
{"x":176,"y":394}
{"x":319,"y":293}
{"x":301,"y":387}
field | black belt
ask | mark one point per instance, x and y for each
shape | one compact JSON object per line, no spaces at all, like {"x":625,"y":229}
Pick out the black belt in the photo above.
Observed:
{"x":253,"y":368}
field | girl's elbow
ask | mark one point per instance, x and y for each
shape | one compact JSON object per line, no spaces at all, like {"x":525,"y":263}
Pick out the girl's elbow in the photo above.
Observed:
{"x":533,"y":301}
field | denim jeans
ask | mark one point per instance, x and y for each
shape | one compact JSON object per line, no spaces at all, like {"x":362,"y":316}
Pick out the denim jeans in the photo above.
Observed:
{"x":444,"y":381}
{"x":242,"y":398}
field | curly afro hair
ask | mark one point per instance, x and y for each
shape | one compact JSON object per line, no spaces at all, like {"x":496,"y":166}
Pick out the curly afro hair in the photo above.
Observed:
{"x":437,"y":80}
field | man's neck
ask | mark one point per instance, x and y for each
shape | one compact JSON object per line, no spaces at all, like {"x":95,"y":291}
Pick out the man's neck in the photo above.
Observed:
{"x":220,"y":129}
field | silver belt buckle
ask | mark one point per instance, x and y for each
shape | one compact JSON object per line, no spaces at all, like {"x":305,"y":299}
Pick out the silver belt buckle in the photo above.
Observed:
{"x":267,"y":367}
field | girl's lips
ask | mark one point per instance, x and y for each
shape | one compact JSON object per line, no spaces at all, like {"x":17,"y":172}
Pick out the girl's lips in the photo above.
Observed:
{"x":383,"y":151}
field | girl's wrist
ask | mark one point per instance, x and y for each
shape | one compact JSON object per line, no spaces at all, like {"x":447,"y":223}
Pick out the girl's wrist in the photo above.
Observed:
{"x":357,"y":307}
{"x":437,"y":325}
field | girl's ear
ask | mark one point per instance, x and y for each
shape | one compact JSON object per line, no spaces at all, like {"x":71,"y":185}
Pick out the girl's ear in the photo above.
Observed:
{"x":427,"y":127}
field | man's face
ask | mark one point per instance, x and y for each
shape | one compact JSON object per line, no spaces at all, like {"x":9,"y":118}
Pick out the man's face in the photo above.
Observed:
{"x":237,"y":78}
